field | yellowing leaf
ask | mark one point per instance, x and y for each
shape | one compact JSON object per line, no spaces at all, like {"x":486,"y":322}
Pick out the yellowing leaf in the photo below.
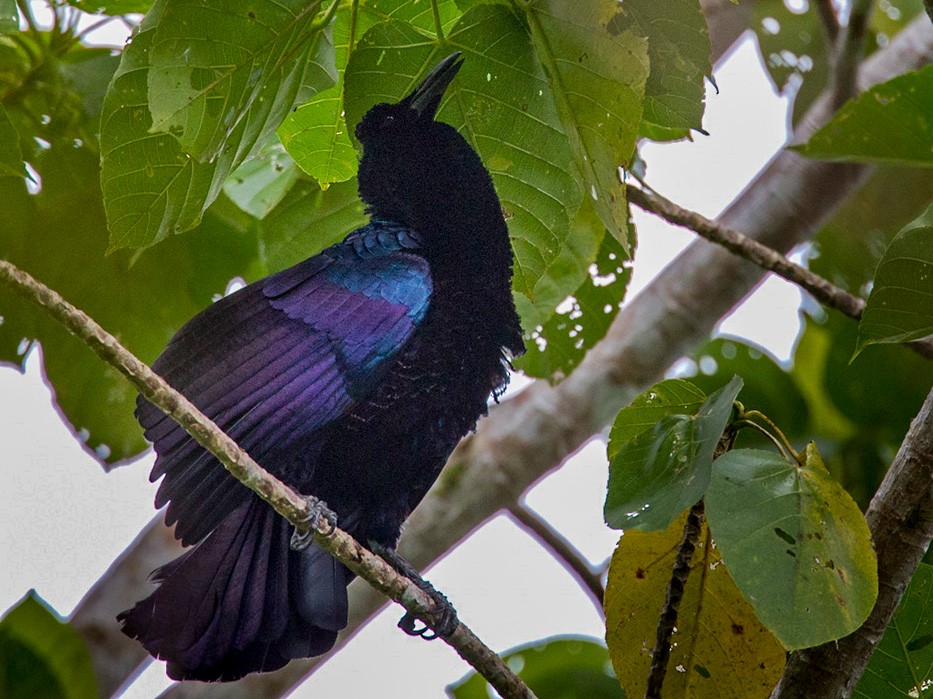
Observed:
{"x":719,"y":649}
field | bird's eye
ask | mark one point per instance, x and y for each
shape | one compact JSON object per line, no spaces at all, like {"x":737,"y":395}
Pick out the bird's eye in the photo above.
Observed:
{"x":389,"y":118}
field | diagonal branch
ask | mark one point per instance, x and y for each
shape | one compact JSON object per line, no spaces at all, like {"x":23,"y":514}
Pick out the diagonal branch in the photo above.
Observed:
{"x":301,"y":511}
{"x":821,"y":289}
{"x":562,"y":550}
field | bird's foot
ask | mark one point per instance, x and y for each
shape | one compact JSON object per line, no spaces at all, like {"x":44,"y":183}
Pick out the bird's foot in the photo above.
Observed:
{"x":444,"y":620}
{"x":316,"y":508}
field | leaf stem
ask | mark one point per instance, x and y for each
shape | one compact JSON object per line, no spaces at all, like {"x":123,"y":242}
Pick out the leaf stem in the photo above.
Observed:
{"x":437,"y":21}
{"x":354,"y":18}
{"x":757,"y":414}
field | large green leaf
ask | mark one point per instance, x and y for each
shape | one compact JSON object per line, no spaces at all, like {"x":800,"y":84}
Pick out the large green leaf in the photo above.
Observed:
{"x":557,"y":668}
{"x":152,"y":185}
{"x":890,"y":123}
{"x":557,"y":345}
{"x":796,"y":544}
{"x":900,"y":307}
{"x":720,"y":649}
{"x":669,"y":397}
{"x":501,"y":102}
{"x":316,"y":133}
{"x":902,"y":665}
{"x":41,"y":656}
{"x":654,"y":476}
{"x":596,"y":71}
{"x":223,"y":76}
{"x":59,"y":236}
{"x":679,"y":54}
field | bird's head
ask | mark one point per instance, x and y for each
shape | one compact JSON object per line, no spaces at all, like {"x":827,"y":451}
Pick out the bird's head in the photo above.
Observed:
{"x":420,"y":172}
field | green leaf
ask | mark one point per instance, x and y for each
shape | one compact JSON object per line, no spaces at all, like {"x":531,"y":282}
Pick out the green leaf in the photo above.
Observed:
{"x":654,"y":476}
{"x":900,"y":307}
{"x":9,"y":17}
{"x":679,"y":55}
{"x":143,"y":299}
{"x":558,"y":345}
{"x":316,"y":134}
{"x":596,"y":71}
{"x":501,"y":102}
{"x":796,"y":544}
{"x":768,"y":388}
{"x":902,"y":665}
{"x":152,"y":186}
{"x":556,"y":668}
{"x":308,"y":220}
{"x":669,"y":397}
{"x":890,"y":123}
{"x":41,"y":656}
{"x":11,"y":154}
{"x":720,"y":649}
{"x":258,"y":185}
{"x":793,"y":49}
{"x":223,"y":76}
{"x":112,"y":7}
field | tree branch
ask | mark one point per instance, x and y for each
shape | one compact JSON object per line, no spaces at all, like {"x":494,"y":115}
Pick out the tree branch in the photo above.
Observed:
{"x":562,"y":550}
{"x":900,"y":518}
{"x":847,"y":52}
{"x":661,"y":654}
{"x":299,"y":510}
{"x":740,"y":244}
{"x":534,"y":432}
{"x":829,"y":20}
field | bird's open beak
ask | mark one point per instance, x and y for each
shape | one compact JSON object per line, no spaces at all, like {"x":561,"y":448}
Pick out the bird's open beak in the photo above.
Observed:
{"x":426,"y":98}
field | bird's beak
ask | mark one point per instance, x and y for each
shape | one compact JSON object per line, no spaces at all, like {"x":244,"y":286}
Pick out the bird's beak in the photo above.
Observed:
{"x":426,"y":98}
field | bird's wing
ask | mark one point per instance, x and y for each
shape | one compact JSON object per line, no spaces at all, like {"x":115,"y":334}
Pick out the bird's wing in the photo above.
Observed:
{"x":279,"y":359}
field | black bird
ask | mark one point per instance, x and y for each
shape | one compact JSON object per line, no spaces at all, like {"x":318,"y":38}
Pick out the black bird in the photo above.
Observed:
{"x":351,"y":376}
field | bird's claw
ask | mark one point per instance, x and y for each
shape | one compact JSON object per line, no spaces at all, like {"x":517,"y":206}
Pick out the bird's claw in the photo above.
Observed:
{"x":443,"y":621}
{"x":316,"y":508}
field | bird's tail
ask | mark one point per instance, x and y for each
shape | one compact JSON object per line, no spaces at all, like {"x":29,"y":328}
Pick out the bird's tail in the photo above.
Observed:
{"x":242,"y":601}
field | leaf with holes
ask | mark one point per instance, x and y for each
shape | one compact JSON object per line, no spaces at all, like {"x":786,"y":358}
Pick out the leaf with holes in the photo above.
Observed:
{"x":558,"y":345}
{"x":654,"y":476}
{"x":679,"y":55}
{"x":796,"y":544}
{"x":259,"y":184}
{"x":720,"y":649}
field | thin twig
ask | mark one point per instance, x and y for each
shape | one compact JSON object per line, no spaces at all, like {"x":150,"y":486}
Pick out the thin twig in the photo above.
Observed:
{"x":291,"y":505}
{"x":821,"y":289}
{"x":846,"y":54}
{"x":675,"y":593}
{"x":830,"y":21}
{"x":562,"y":550}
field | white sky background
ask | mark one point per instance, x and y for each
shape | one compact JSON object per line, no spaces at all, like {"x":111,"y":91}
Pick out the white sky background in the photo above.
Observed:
{"x":507,"y":588}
